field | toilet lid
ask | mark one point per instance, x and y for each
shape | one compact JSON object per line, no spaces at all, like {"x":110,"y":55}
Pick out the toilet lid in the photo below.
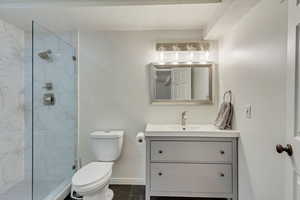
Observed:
{"x":91,"y":173}
{"x":107,"y":135}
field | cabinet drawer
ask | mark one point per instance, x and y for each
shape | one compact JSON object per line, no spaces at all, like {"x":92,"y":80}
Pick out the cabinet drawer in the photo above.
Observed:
{"x":194,"y":178}
{"x":191,"y":151}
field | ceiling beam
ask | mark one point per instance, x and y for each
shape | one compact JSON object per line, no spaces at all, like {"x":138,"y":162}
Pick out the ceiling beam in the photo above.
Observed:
{"x":41,"y":3}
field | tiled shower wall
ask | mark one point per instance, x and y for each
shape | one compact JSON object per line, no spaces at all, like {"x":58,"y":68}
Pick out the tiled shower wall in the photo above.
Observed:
{"x":54,"y":126}
{"x":11,"y":106}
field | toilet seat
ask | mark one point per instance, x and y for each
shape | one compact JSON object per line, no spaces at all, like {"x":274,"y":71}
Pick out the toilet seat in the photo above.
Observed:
{"x":92,"y":177}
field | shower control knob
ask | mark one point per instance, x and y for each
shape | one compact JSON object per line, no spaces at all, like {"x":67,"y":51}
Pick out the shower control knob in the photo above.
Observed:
{"x":48,"y":86}
{"x":49,"y":99}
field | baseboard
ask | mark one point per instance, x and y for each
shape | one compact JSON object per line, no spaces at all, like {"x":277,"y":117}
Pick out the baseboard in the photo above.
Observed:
{"x":127,"y":181}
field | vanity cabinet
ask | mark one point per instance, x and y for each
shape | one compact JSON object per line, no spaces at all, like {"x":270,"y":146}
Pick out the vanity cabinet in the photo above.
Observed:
{"x":191,"y":166}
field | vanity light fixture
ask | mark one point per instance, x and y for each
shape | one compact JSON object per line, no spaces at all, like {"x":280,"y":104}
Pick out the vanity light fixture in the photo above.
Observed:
{"x":161,"y":57}
{"x":161,"y":54}
{"x":183,"y":52}
{"x":176,"y":49}
{"x":207,"y":55}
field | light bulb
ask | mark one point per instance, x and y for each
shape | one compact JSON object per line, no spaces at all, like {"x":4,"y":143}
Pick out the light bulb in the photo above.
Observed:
{"x":191,"y":56}
{"x":207,"y":56}
{"x":161,"y":56}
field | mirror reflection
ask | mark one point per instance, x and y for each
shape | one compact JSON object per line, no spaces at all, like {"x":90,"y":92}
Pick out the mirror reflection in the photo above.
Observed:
{"x":181,"y":84}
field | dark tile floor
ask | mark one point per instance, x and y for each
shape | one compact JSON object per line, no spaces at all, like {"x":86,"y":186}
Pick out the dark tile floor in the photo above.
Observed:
{"x":128,"y":192}
{"x":137,"y":192}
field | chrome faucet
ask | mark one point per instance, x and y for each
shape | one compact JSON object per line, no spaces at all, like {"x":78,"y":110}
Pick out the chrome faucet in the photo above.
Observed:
{"x":183,"y":118}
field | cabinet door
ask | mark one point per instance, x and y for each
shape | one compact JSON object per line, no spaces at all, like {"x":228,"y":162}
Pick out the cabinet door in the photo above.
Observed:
{"x":192,"y":178}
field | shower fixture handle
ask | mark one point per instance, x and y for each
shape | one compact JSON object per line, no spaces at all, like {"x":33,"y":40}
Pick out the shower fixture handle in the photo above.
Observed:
{"x":48,"y":86}
{"x":49,"y":99}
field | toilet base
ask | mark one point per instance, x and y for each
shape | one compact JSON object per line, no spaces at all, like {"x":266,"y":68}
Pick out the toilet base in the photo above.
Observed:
{"x":104,"y":194}
{"x":109,"y":194}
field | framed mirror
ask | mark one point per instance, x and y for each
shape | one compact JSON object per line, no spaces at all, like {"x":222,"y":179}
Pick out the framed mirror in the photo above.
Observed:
{"x":181,"y":83}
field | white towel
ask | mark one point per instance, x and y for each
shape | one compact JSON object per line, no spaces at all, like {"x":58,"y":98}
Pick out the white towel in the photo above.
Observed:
{"x":225,"y":115}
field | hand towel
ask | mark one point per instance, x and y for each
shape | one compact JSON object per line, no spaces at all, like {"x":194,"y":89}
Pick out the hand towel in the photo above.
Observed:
{"x":224,"y":117}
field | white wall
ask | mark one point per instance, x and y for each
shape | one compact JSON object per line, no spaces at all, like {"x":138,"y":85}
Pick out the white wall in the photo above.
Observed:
{"x":113,"y":93}
{"x":252,"y":65}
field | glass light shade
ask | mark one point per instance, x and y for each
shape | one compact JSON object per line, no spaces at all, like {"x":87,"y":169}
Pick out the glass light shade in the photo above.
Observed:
{"x":184,"y":56}
{"x":170,"y":56}
{"x":200,"y":56}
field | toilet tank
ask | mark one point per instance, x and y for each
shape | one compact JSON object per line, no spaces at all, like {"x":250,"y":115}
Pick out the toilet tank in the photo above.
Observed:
{"x":107,"y":146}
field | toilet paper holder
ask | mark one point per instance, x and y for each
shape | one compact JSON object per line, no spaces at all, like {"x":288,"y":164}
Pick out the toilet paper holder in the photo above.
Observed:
{"x":140,"y":137}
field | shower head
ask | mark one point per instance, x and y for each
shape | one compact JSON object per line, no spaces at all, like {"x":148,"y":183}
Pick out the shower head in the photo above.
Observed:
{"x":45,"y":55}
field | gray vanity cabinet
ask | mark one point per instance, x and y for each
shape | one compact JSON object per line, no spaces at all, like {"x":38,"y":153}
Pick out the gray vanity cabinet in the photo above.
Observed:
{"x":192,"y":167}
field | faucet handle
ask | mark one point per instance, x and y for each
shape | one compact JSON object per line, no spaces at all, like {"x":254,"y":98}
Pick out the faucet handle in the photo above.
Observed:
{"x":183,"y":118}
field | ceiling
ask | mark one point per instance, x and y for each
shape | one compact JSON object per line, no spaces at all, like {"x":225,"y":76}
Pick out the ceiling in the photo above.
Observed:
{"x":214,"y":18}
{"x":96,"y":18}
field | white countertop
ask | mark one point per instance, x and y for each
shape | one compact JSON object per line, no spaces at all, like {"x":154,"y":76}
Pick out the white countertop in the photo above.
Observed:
{"x":191,"y":130}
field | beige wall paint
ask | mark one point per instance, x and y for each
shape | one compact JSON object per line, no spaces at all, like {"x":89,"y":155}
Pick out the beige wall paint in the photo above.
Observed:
{"x":253,"y":65}
{"x":113,"y":92}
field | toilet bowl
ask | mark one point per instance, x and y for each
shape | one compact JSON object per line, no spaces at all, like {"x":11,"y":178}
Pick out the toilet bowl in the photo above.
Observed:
{"x":91,"y":181}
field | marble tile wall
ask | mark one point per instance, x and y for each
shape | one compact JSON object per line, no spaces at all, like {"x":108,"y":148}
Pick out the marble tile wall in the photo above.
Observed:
{"x":11,"y":106}
{"x":54,"y":126}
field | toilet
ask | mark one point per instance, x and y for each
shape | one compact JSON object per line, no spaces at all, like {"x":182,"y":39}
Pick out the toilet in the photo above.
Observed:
{"x":91,"y":181}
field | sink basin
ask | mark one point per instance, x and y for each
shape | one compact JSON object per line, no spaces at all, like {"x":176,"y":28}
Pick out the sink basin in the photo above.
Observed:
{"x":202,"y":130}
{"x":198,"y":127}
{"x":180,"y":128}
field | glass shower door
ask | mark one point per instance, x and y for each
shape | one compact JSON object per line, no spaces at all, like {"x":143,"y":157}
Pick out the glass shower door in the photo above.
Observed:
{"x":54,"y":113}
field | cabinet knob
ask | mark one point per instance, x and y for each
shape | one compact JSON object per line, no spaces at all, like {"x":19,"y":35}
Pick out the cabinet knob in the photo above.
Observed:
{"x":222,"y":152}
{"x":160,"y":174}
{"x":160,"y":151}
{"x":222,"y":174}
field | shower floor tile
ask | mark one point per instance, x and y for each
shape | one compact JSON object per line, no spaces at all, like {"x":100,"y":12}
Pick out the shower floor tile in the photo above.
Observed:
{"x":137,"y":192}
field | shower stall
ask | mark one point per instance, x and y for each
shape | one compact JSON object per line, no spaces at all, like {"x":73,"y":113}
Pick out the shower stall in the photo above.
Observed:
{"x":38,"y":119}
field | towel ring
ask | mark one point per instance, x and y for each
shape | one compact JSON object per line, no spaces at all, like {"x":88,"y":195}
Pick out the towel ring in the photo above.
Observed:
{"x":227,"y":93}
